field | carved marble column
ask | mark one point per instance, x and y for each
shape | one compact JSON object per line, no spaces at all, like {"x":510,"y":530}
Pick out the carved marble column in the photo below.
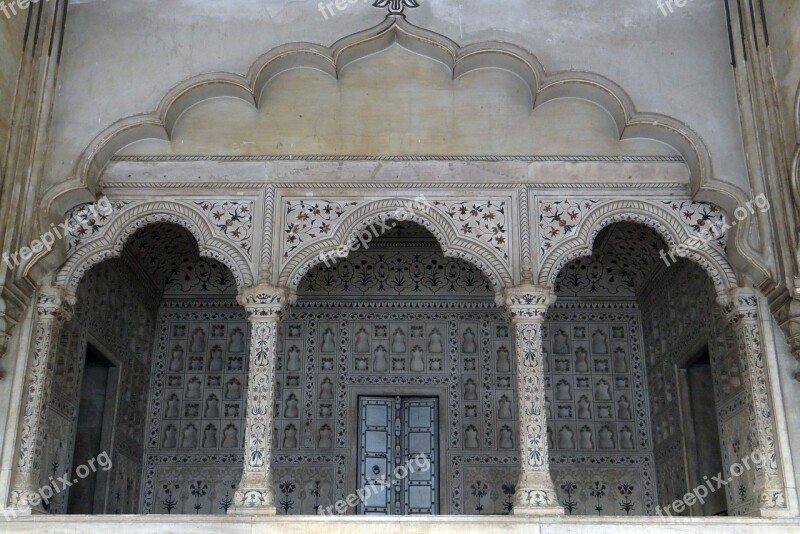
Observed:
{"x":535,"y":493}
{"x":740,"y":310}
{"x":54,"y":306}
{"x":265,"y":305}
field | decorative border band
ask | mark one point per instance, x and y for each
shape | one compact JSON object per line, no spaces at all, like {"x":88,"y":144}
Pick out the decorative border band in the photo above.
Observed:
{"x":337,"y":158}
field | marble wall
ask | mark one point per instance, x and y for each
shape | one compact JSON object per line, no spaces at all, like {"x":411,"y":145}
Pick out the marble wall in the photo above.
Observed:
{"x":116,"y":316}
{"x":389,"y":321}
{"x":682,"y":321}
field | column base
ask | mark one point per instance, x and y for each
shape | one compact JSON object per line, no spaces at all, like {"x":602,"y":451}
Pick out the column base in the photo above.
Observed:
{"x":254,"y":501}
{"x":772,"y":504}
{"x":536,"y":496}
{"x":255,"y":495}
{"x":540,"y":511}
{"x":267,"y":512}
{"x":25,"y":503}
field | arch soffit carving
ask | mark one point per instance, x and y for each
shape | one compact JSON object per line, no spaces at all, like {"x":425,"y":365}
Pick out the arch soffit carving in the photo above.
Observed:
{"x":111,"y":243}
{"x":332,"y":60}
{"x":353,"y":223}
{"x":709,"y":258}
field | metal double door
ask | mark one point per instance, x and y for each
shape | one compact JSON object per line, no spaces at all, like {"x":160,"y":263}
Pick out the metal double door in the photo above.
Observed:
{"x":398,"y":456}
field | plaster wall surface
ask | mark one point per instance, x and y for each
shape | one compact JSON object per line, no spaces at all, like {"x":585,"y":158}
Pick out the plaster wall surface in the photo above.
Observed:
{"x":783,"y":19}
{"x":397,"y":102}
{"x":120,"y":58}
{"x":11,"y":32}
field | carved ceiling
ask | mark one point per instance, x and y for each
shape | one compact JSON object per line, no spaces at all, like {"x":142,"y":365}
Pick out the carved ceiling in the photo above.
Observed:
{"x":405,"y":262}
{"x":625,"y":259}
{"x":168,"y":262}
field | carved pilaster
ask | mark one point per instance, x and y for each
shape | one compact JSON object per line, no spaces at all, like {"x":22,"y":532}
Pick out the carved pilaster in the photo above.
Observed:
{"x":740,"y":310}
{"x":535,"y":493}
{"x":54,"y":306}
{"x":526,"y":268}
{"x":264,"y":305}
{"x":33,"y":88}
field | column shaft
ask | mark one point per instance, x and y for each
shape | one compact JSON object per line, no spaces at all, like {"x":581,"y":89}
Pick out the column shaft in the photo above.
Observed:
{"x":535,"y":493}
{"x":54,"y":306}
{"x":264,"y":305}
{"x":740,"y":309}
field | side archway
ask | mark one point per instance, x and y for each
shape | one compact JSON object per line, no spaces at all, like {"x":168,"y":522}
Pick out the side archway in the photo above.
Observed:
{"x":665,"y":223}
{"x":349,"y":231}
{"x":126,"y":223}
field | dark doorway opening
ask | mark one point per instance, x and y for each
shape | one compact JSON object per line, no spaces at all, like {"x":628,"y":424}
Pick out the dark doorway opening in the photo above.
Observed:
{"x":93,"y":434}
{"x":703,"y":451}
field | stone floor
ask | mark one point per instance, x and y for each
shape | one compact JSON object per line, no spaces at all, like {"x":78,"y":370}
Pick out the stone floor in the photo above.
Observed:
{"x":390,"y":525}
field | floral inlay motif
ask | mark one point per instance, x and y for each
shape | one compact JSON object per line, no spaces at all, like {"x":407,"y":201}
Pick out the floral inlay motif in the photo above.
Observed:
{"x":559,"y":219}
{"x":483,"y":221}
{"x":233,"y":219}
{"x":307,"y":220}
{"x":87,"y":221}
{"x":698,"y":217}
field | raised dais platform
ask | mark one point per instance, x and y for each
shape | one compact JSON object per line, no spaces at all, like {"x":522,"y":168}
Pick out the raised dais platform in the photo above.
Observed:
{"x":174,"y":524}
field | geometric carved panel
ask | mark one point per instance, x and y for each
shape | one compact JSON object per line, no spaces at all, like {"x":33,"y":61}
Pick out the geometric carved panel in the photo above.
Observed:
{"x":199,"y":384}
{"x":595,"y":394}
{"x":464,"y":355}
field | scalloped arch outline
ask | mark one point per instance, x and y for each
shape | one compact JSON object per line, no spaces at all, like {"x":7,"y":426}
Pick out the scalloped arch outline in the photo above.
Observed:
{"x":353,"y":223}
{"x":111,"y":242}
{"x":795,"y":166}
{"x":394,"y":29}
{"x":648,"y":214}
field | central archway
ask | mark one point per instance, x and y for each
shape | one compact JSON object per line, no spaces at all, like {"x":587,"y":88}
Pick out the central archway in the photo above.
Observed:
{"x":397,"y":333}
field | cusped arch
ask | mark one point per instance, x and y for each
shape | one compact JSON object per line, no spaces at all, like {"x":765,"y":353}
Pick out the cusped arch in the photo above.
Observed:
{"x":795,"y":169}
{"x":111,"y":243}
{"x":663,"y":221}
{"x":544,"y":87}
{"x":347,"y":234}
{"x":797,"y":112}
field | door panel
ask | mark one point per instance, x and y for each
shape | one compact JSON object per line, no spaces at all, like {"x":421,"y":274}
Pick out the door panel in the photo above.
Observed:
{"x":419,"y":433}
{"x":376,"y":417}
{"x":398,"y":432}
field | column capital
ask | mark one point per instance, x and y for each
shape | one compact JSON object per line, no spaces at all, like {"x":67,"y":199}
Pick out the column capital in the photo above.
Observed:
{"x":55,"y":303}
{"x":263,"y":301}
{"x":738,"y":304}
{"x":528,"y":302}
